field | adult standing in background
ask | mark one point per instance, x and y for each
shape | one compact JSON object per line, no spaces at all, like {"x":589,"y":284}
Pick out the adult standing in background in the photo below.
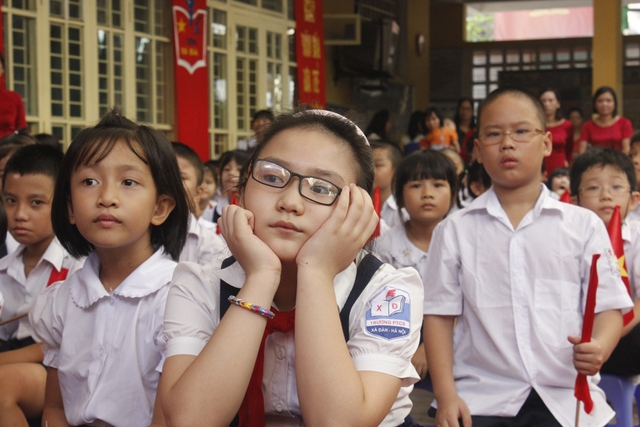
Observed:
{"x":260,"y":121}
{"x":561,"y":131}
{"x":12,"y":116}
{"x":607,"y":129}
{"x":464,"y":118}
{"x":379,"y":126}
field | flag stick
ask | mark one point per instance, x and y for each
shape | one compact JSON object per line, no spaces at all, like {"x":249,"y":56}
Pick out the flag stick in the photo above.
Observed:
{"x":13,"y":319}
{"x":577,"y":412}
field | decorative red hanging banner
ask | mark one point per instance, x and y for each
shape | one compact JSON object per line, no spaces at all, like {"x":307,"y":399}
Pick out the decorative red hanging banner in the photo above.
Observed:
{"x":1,"y":45}
{"x":310,"y":52}
{"x":191,"y":82}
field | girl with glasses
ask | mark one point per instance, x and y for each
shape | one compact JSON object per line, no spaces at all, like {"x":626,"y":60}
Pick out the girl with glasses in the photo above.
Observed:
{"x":277,"y":334}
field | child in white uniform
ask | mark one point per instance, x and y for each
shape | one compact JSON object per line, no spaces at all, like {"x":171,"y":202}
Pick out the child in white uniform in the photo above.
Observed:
{"x":29,"y":180}
{"x":601,"y":180}
{"x":202,"y":243}
{"x":301,"y":222}
{"x":120,"y":200}
{"x":425,"y":184}
{"x":513,"y":269}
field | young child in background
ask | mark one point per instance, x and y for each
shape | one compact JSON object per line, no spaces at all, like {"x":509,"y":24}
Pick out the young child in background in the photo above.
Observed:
{"x":559,"y":181}
{"x":209,"y":187}
{"x":462,"y":199}
{"x":40,"y":260}
{"x":202,"y":242}
{"x":305,"y":213}
{"x":231,"y":163}
{"x":478,"y":181}
{"x":425,"y":184}
{"x":438,"y":137}
{"x":385,"y":161}
{"x":120,"y":201}
{"x":602,"y":179}
{"x":508,"y":278}
{"x":259,"y":123}
{"x":634,"y":154}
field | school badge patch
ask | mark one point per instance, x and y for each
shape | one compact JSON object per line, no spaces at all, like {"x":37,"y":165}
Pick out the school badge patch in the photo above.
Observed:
{"x":389,"y":314}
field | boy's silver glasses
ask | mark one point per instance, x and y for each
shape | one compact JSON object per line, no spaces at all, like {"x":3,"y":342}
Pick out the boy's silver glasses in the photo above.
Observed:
{"x":317,"y":190}
{"x":494,"y":137}
{"x":596,"y":190}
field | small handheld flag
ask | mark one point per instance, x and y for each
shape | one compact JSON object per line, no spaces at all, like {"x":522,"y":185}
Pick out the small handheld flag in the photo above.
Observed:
{"x":615,"y":234}
{"x":377,"y":206}
{"x":581,"y":389}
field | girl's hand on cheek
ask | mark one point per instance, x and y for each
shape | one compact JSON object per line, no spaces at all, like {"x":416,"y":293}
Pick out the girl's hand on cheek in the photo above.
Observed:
{"x":254,"y":256}
{"x":338,"y":241}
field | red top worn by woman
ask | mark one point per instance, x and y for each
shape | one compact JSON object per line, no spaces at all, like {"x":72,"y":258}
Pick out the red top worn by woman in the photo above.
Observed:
{"x":610,"y":136}
{"x":12,"y":117}
{"x":562,"y":139}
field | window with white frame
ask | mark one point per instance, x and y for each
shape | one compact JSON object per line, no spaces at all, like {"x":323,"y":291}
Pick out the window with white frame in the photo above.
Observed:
{"x":219,"y":82}
{"x":154,"y":62}
{"x":246,"y":76}
{"x":110,"y":55}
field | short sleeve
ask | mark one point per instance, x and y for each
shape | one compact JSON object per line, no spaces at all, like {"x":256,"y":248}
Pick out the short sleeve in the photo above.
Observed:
{"x":192,"y":311}
{"x":47,"y":319}
{"x":627,"y":128}
{"x":442,"y":291}
{"x":385,"y":324}
{"x":585,"y":134}
{"x":211,"y":245}
{"x":612,"y":293}
{"x":632,"y":258}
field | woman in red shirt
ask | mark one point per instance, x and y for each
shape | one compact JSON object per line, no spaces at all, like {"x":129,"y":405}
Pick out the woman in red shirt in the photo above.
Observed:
{"x":12,"y":116}
{"x":561,"y":131}
{"x":607,"y":129}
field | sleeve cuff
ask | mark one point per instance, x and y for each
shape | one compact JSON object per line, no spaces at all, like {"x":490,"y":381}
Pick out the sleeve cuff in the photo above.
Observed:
{"x":387,"y":364}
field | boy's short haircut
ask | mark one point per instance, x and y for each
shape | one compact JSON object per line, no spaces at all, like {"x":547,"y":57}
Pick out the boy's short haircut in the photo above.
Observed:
{"x":601,"y":157}
{"x":635,"y":138}
{"x":34,"y":159}
{"x":262,"y":114}
{"x":212,"y":166}
{"x":395,"y":155}
{"x":519,"y":93}
{"x":184,"y":151}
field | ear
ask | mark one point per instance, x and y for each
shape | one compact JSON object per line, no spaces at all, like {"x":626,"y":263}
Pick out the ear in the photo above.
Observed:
{"x":548,"y":144}
{"x":164,"y":206}
{"x":633,"y":202}
{"x":478,"y":151}
{"x":72,"y":218}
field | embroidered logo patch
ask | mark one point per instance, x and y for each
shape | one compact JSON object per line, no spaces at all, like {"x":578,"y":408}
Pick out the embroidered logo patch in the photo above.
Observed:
{"x":613,"y":262}
{"x":389,"y":314}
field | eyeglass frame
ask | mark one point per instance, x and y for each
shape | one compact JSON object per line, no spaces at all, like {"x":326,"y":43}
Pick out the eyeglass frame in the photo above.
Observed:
{"x":536,"y":131}
{"x":300,"y":177}
{"x":627,"y":188}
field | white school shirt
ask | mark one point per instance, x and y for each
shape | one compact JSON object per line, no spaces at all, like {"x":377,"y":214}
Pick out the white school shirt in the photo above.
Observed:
{"x":106,"y":346}
{"x":519,"y":294}
{"x":192,"y":315}
{"x":389,"y":212}
{"x":207,"y":214}
{"x":20,"y":292}
{"x":631,"y":239}
{"x":396,"y":249}
{"x":202,"y":243}
{"x":633,"y":215}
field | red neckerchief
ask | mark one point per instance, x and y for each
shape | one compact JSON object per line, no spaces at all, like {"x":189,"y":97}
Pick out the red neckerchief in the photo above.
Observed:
{"x":57,"y":276}
{"x":251,"y":413}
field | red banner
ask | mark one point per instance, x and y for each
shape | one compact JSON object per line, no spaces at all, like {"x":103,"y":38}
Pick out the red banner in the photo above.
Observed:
{"x":191,"y":80}
{"x":310,"y":52}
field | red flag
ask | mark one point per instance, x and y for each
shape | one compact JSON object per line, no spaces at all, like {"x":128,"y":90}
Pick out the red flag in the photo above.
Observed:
{"x":57,"y":276}
{"x":377,"y":206}
{"x":581,"y":389}
{"x":565,"y":197}
{"x":615,"y":234}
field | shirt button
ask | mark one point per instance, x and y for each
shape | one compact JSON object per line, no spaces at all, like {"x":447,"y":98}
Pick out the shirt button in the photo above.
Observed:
{"x":112,"y":301}
{"x":101,"y":351}
{"x":279,"y":407}
{"x":280,"y":353}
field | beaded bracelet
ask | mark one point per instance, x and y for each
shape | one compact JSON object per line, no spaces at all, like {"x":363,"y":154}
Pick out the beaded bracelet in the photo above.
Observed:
{"x":255,"y":308}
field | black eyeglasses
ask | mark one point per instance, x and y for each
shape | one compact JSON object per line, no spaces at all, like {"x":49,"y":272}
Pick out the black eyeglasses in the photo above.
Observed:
{"x":317,"y":190}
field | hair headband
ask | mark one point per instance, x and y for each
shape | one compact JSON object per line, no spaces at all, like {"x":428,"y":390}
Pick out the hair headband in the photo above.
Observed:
{"x":339,"y":117}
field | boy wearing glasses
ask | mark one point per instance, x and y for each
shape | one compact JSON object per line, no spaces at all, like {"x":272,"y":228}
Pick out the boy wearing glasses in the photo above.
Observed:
{"x":604,"y":179}
{"x":509,"y":277}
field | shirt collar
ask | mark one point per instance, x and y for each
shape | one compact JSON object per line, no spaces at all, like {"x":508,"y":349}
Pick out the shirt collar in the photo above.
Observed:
{"x":401,"y":248}
{"x":55,"y":255}
{"x":489,"y":202}
{"x":193,"y":224}
{"x":86,"y":287}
